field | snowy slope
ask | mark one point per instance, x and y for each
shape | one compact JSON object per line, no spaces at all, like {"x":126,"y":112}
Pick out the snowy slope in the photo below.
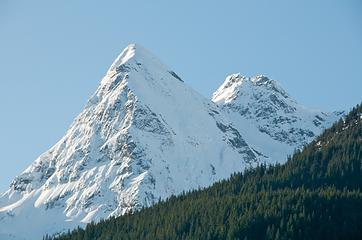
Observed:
{"x":144,"y":135}
{"x":271,"y":121}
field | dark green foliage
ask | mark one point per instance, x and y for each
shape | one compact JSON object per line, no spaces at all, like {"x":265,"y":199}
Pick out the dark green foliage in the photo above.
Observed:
{"x":315,"y":195}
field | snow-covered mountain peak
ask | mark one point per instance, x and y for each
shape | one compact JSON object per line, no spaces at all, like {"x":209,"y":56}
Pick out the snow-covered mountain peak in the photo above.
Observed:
{"x":261,"y":80}
{"x":143,"y":136}
{"x":134,"y":56}
{"x":261,"y":104}
{"x":136,"y":59}
{"x":133,"y":52}
{"x":270,"y":84}
{"x":236,"y":85}
{"x":125,"y":55}
{"x":228,"y":90}
{"x":138,"y":70}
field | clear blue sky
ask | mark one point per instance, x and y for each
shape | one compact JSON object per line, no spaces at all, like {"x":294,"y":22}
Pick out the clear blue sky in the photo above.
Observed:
{"x":54,"y":53}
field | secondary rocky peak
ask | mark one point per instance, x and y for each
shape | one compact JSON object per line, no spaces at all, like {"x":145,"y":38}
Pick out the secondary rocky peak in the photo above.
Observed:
{"x":228,"y":90}
{"x":261,"y":79}
{"x":260,"y":103}
{"x":236,"y":85}
{"x":234,"y":79}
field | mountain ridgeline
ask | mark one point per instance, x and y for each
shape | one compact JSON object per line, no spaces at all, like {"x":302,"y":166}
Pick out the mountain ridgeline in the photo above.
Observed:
{"x":316,"y":194}
{"x":145,"y":135}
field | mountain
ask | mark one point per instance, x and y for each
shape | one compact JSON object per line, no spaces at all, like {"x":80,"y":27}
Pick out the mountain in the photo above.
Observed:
{"x":143,"y":136}
{"x":271,"y":121}
{"x":316,"y":194}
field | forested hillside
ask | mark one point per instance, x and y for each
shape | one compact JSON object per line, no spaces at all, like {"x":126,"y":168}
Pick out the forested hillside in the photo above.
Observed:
{"x":315,"y":195}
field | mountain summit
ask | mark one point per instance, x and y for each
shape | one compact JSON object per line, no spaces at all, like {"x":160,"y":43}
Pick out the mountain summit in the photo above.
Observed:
{"x":271,"y":121}
{"x":145,"y":135}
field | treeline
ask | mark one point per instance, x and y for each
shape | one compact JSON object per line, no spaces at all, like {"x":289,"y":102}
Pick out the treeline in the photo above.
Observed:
{"x":315,"y":195}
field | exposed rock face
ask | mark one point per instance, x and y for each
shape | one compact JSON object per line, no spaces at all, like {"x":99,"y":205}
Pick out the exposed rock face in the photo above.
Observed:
{"x":271,"y":121}
{"x":145,"y":135}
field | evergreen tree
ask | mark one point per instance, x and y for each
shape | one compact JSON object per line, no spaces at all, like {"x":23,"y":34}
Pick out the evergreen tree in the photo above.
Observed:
{"x":315,"y":195}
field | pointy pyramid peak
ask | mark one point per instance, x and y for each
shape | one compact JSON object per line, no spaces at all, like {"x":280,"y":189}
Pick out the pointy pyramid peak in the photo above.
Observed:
{"x":133,"y":54}
{"x":140,"y":70}
{"x":135,"y":58}
{"x":124,"y":57}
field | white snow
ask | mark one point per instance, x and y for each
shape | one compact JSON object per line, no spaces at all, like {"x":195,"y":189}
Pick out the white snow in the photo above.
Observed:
{"x":145,"y":135}
{"x":270,"y":120}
